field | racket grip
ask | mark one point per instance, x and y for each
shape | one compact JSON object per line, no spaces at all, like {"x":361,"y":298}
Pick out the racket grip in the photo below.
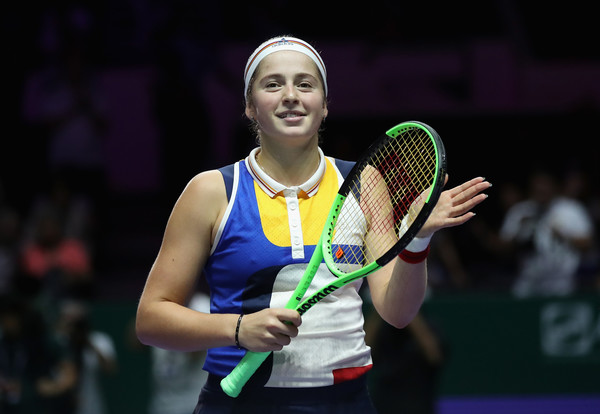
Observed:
{"x":233,"y":383}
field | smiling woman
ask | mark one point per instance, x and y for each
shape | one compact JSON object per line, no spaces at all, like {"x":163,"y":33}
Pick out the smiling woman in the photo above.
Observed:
{"x":250,"y":228}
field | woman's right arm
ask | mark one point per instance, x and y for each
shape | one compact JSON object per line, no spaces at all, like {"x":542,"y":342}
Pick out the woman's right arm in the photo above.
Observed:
{"x":163,"y":320}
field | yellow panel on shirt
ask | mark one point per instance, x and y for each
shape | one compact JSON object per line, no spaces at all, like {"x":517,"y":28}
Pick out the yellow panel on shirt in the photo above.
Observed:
{"x":313,"y":211}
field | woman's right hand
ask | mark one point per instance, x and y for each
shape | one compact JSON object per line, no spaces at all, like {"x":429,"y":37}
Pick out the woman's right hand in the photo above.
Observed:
{"x":269,"y":329}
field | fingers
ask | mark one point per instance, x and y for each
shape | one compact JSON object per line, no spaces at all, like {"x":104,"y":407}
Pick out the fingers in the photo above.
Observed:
{"x":469,"y":188}
{"x":290,"y":316}
{"x":468,"y":195}
{"x":458,"y":220}
{"x":455,"y":205}
{"x":269,"y":329}
{"x":278,"y":337}
{"x":468,"y":204}
{"x":287,"y":328}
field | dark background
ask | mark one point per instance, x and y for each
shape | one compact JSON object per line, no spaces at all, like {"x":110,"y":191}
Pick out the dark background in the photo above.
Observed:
{"x":510,"y":86}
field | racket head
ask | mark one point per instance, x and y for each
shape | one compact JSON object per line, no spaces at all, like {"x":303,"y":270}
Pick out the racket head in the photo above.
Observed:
{"x":385,"y":199}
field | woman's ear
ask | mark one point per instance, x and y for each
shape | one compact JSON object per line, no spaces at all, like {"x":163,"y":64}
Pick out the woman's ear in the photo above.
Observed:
{"x":250,"y":113}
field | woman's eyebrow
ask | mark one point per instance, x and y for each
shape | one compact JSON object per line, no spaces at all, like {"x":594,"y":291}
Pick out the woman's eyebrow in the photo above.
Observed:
{"x":276,"y":75}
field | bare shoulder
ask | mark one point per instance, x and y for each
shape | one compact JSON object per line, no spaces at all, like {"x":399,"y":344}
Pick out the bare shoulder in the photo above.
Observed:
{"x":207,"y":183}
{"x":205,"y":192}
{"x":202,"y":203}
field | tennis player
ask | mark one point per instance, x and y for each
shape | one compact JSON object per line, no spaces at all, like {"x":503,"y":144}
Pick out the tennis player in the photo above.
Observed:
{"x":249,"y":228}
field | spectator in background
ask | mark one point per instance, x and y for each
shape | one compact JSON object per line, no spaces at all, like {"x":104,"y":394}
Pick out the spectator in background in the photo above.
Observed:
{"x":548,"y":232}
{"x":94,"y":355}
{"x":54,"y":265}
{"x":37,"y":373}
{"x":75,"y":212}
{"x":578,"y":185}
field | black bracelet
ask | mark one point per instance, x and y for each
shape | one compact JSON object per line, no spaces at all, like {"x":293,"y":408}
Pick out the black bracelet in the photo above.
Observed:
{"x":237,"y":331}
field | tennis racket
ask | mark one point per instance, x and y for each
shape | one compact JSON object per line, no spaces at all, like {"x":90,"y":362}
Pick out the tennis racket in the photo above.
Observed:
{"x":380,"y":207}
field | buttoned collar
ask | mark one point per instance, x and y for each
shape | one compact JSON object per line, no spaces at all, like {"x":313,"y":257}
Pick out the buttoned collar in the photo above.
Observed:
{"x":274,"y":188}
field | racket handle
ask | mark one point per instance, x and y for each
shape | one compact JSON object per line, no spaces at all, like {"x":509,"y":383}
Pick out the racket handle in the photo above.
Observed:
{"x":233,"y":383}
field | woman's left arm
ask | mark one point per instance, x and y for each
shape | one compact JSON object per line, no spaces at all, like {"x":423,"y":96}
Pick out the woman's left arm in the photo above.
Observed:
{"x":398,"y":289}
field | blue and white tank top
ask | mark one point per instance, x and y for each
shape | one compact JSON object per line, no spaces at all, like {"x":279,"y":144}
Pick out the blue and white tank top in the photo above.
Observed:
{"x":261,"y":250}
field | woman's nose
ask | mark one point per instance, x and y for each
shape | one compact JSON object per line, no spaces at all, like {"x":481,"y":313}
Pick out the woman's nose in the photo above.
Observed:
{"x":289,"y":93}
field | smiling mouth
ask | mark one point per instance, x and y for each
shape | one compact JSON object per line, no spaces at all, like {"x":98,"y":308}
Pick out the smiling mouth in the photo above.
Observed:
{"x":290,"y":114}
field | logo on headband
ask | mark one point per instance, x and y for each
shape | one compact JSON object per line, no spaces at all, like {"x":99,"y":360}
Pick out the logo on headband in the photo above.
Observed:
{"x":283,"y":41}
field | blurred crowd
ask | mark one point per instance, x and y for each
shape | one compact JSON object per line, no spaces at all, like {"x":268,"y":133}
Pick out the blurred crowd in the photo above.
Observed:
{"x":537,"y":236}
{"x":61,"y":109}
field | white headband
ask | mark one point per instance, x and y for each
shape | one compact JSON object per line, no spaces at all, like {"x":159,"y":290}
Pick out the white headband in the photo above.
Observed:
{"x":275,"y":45}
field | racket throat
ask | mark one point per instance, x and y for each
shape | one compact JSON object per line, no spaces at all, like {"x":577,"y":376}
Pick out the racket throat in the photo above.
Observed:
{"x":315,"y":298}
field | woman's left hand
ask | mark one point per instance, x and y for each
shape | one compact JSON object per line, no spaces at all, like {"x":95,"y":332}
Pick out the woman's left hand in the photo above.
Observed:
{"x":454,"y":205}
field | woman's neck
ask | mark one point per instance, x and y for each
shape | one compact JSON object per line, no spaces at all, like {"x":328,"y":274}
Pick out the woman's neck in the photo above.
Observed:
{"x":291,"y":166}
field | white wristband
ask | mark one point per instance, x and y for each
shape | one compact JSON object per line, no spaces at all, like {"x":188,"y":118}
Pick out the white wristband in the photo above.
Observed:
{"x":418,"y":244}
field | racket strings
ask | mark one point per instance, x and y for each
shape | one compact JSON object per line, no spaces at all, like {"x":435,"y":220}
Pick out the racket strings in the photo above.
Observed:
{"x":384,"y":199}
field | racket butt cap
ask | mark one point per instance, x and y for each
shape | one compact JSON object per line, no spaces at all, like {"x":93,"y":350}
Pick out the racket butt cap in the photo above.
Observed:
{"x":229,"y":389}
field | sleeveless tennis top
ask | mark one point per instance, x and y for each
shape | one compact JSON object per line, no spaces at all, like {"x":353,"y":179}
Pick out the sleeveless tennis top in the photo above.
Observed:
{"x":261,"y":250}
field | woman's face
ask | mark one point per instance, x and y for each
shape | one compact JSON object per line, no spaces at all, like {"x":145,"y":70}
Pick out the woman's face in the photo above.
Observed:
{"x":287,"y":97}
